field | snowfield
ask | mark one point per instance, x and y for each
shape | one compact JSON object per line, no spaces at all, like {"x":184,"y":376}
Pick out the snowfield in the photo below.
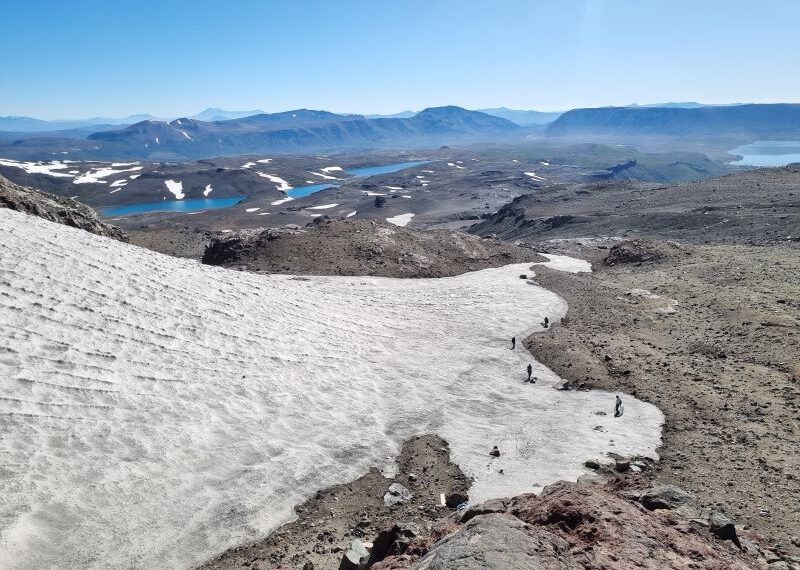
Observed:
{"x":156,"y":411}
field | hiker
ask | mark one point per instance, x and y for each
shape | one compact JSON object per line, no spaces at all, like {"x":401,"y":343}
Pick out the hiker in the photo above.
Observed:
{"x":530,"y":371}
{"x":618,"y":407}
{"x":546,"y":322}
{"x":513,"y":342}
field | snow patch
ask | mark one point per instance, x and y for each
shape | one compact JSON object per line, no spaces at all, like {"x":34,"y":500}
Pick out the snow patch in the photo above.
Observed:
{"x":282,"y":184}
{"x":332,"y":169}
{"x":323,"y":207}
{"x":565,"y":263}
{"x":94,"y":175}
{"x":251,"y":210}
{"x":535,"y":176}
{"x":402,"y":220}
{"x":162,"y":425}
{"x":39,"y":167}
{"x":282,"y":201}
{"x":176,"y":187}
{"x":325,"y":176}
{"x":208,"y":190}
{"x":351,"y":214}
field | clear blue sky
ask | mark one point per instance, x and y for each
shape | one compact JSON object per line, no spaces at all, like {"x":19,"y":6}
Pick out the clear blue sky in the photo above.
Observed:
{"x":74,"y":59}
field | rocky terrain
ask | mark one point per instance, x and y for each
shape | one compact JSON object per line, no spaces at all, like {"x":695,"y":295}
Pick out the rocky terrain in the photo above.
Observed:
{"x":711,"y":335}
{"x":361,"y":247}
{"x":753,"y":207}
{"x":330,"y":521}
{"x":55,"y":209}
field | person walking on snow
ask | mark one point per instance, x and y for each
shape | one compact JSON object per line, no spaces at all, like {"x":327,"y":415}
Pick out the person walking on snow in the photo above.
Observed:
{"x":618,"y":407}
{"x":530,"y":371}
{"x":513,"y":342}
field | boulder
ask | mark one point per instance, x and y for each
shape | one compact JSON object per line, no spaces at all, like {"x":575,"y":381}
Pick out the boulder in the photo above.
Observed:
{"x":489,"y":507}
{"x":396,"y":495}
{"x":592,"y":464}
{"x":390,"y":542}
{"x":723,"y":527}
{"x":665,"y":497}
{"x":499,"y":542}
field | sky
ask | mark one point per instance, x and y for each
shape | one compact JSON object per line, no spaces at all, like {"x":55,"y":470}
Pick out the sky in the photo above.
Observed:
{"x":171,"y":58}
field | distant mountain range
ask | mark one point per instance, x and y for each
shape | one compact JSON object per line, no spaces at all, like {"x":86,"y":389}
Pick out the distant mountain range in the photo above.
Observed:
{"x":760,"y":121}
{"x":31,"y":125}
{"x":298,"y":131}
{"x":523,"y":118}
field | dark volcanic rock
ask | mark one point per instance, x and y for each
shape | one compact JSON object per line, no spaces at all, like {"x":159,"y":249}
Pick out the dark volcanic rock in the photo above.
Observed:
{"x":571,"y":526}
{"x":631,"y":252}
{"x":55,"y":209}
{"x":665,"y":497}
{"x":723,"y":527}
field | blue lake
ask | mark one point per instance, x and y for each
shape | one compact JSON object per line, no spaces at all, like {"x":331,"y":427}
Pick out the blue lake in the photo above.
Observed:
{"x":302,"y":191}
{"x":196,"y":205}
{"x":386,"y":169}
{"x":768,"y":153}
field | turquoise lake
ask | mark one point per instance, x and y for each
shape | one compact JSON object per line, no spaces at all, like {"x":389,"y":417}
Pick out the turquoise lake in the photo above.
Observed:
{"x":198,"y":205}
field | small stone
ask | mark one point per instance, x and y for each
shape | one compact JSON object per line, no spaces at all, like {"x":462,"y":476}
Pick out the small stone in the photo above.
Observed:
{"x":665,"y":497}
{"x":412,"y":477}
{"x":592,"y":464}
{"x":622,"y":465}
{"x":396,"y":495}
{"x":495,"y":452}
{"x":454,"y":499}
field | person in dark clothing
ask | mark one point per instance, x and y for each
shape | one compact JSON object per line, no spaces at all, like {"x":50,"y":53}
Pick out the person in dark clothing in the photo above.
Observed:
{"x":546,"y":322}
{"x":513,"y":342}
{"x":530,"y":371}
{"x":618,"y":407}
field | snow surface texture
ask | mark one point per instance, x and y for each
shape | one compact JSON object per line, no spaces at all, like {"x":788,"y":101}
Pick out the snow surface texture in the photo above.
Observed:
{"x":157,"y":411}
{"x":565,"y":263}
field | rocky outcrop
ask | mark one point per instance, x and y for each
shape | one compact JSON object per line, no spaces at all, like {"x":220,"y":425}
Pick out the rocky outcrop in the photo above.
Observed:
{"x":360,"y":247}
{"x":55,"y":209}
{"x":577,"y":526}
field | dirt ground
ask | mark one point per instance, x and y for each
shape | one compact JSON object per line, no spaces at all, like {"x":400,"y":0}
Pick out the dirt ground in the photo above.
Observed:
{"x":710,"y":335}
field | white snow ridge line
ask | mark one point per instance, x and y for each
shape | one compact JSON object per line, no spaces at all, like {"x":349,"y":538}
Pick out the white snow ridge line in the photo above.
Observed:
{"x":188,"y":385}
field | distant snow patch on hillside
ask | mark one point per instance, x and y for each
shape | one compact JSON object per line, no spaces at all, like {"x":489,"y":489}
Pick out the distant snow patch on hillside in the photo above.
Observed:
{"x":323,"y":207}
{"x":282,"y":184}
{"x":208,"y":190}
{"x":332,"y":169}
{"x":325,"y":176}
{"x":93,"y":176}
{"x":535,"y":176}
{"x":38,"y":167}
{"x":282,"y":201}
{"x":176,"y":187}
{"x":402,"y":220}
